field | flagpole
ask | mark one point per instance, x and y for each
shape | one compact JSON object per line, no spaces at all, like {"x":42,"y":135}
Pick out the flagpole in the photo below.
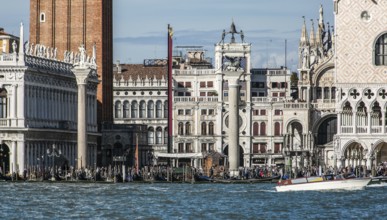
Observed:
{"x":170,"y":125}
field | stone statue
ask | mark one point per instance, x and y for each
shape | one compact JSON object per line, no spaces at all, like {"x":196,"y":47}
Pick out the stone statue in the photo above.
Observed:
{"x":32,"y":49}
{"x":223,"y":35}
{"x":14,"y":46}
{"x":27,"y":47}
{"x":55,"y":52}
{"x":82,"y":54}
{"x":242,"y":36}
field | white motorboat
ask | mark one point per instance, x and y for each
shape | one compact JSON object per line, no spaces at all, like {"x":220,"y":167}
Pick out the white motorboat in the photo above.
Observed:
{"x":327,"y":182}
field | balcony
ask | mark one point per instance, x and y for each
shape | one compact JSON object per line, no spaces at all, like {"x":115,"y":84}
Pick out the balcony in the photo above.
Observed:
{"x":296,"y":106}
{"x":377,"y":129}
{"x":196,"y":99}
{"x":194,"y":72}
{"x":361,"y":129}
{"x":346,"y":129}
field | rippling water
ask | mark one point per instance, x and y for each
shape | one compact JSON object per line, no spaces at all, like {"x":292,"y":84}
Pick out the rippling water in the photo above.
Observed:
{"x":184,"y":201}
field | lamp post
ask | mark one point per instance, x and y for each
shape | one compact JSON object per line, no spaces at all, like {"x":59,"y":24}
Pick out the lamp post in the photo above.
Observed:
{"x":54,"y":153}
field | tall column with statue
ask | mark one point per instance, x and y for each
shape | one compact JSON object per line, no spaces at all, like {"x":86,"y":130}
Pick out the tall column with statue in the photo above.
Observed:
{"x":83,"y":69}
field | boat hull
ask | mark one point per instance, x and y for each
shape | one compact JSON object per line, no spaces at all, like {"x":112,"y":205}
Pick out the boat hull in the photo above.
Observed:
{"x":348,"y":184}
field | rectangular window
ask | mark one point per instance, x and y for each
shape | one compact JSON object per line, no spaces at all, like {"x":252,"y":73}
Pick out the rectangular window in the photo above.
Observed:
{"x":284,"y":85}
{"x":204,"y":111}
{"x":188,"y":85}
{"x":274,"y":85}
{"x":242,"y":94}
{"x":211,"y":147}
{"x":225,"y":94}
{"x":254,"y":94}
{"x":275,"y":94}
{"x":202,"y":93}
{"x":282,"y":94}
{"x":277,"y":112}
{"x":261,"y":94}
{"x":263,"y":111}
{"x":262,"y":148}
{"x":204,"y":147}
{"x":188,"y":112}
{"x":180,"y":84}
{"x":188,"y":148}
{"x":255,"y":148}
{"x":210,"y":84}
{"x":211,"y":112}
{"x":187,"y":94}
{"x":261,"y":85}
{"x":277,"y":148}
{"x":255,"y":112}
{"x":180,"y":112}
{"x":180,"y":94}
{"x":181,"y":148}
{"x":202,"y":84}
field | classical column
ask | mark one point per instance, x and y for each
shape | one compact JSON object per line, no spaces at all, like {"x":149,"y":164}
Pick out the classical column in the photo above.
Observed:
{"x":233,"y":125}
{"x":21,"y":157}
{"x":383,"y":122}
{"x":82,"y":75}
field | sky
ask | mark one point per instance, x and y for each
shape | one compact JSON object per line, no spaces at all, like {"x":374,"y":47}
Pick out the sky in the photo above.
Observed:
{"x":140,"y":26}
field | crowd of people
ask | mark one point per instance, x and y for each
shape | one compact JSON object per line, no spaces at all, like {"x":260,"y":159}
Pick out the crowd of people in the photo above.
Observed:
{"x":121,"y":173}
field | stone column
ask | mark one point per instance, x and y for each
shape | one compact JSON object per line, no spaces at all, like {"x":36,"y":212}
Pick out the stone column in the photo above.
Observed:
{"x":233,"y":125}
{"x":82,"y":75}
{"x":21,"y":157}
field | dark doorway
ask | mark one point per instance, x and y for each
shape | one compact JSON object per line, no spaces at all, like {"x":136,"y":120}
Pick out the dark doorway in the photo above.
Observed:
{"x":4,"y":158}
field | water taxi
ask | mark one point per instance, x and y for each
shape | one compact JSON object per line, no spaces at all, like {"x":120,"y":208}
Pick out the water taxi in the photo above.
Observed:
{"x":326,"y":182}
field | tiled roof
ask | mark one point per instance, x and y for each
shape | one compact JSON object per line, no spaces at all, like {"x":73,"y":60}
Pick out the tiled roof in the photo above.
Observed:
{"x":140,"y":71}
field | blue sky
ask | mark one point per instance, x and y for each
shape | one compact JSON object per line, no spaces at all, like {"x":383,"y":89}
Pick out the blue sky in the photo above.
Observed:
{"x":140,"y":26}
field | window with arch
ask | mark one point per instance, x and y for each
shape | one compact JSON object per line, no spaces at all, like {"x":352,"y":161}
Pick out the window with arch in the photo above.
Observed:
{"x":151,"y":134}
{"x":165,"y":135}
{"x":159,"y":109}
{"x":255,"y":128}
{"x":204,"y":128}
{"x":159,"y":137}
{"x":126,"y":109}
{"x":134,"y":109}
{"x":211,"y":126}
{"x":42,"y":17}
{"x":117,"y":112}
{"x":166,"y":109}
{"x":150,"y":109}
{"x":3,"y":103}
{"x":187,"y":128}
{"x":381,"y":51}
{"x":181,"y":128}
{"x":142,"y":109}
{"x":263,"y":129}
{"x":376,"y":115}
{"x":277,"y":129}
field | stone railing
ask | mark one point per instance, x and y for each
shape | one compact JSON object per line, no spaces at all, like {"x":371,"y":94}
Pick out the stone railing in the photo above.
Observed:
{"x":8,"y":59}
{"x":296,"y":105}
{"x":194,"y":72}
{"x":347,"y":129}
{"x":196,"y":99}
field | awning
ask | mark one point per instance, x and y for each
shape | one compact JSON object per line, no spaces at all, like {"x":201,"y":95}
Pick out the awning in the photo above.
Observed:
{"x":179,"y":155}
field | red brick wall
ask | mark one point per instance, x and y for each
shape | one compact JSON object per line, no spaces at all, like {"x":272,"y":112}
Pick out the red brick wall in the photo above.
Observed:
{"x":72,"y":22}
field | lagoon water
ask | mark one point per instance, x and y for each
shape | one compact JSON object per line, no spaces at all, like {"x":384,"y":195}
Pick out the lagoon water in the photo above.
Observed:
{"x":184,"y":201}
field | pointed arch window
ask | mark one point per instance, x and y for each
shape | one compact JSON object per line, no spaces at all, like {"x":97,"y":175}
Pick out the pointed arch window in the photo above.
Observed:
{"x":381,"y":51}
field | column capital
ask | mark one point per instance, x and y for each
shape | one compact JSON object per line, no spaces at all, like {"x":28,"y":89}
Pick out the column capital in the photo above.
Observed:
{"x":82,"y":74}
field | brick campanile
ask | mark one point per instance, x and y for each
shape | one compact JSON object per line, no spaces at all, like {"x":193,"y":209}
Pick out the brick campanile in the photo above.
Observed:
{"x":66,"y":24}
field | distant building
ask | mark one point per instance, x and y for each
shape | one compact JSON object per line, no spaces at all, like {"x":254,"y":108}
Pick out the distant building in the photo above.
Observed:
{"x":7,"y":42}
